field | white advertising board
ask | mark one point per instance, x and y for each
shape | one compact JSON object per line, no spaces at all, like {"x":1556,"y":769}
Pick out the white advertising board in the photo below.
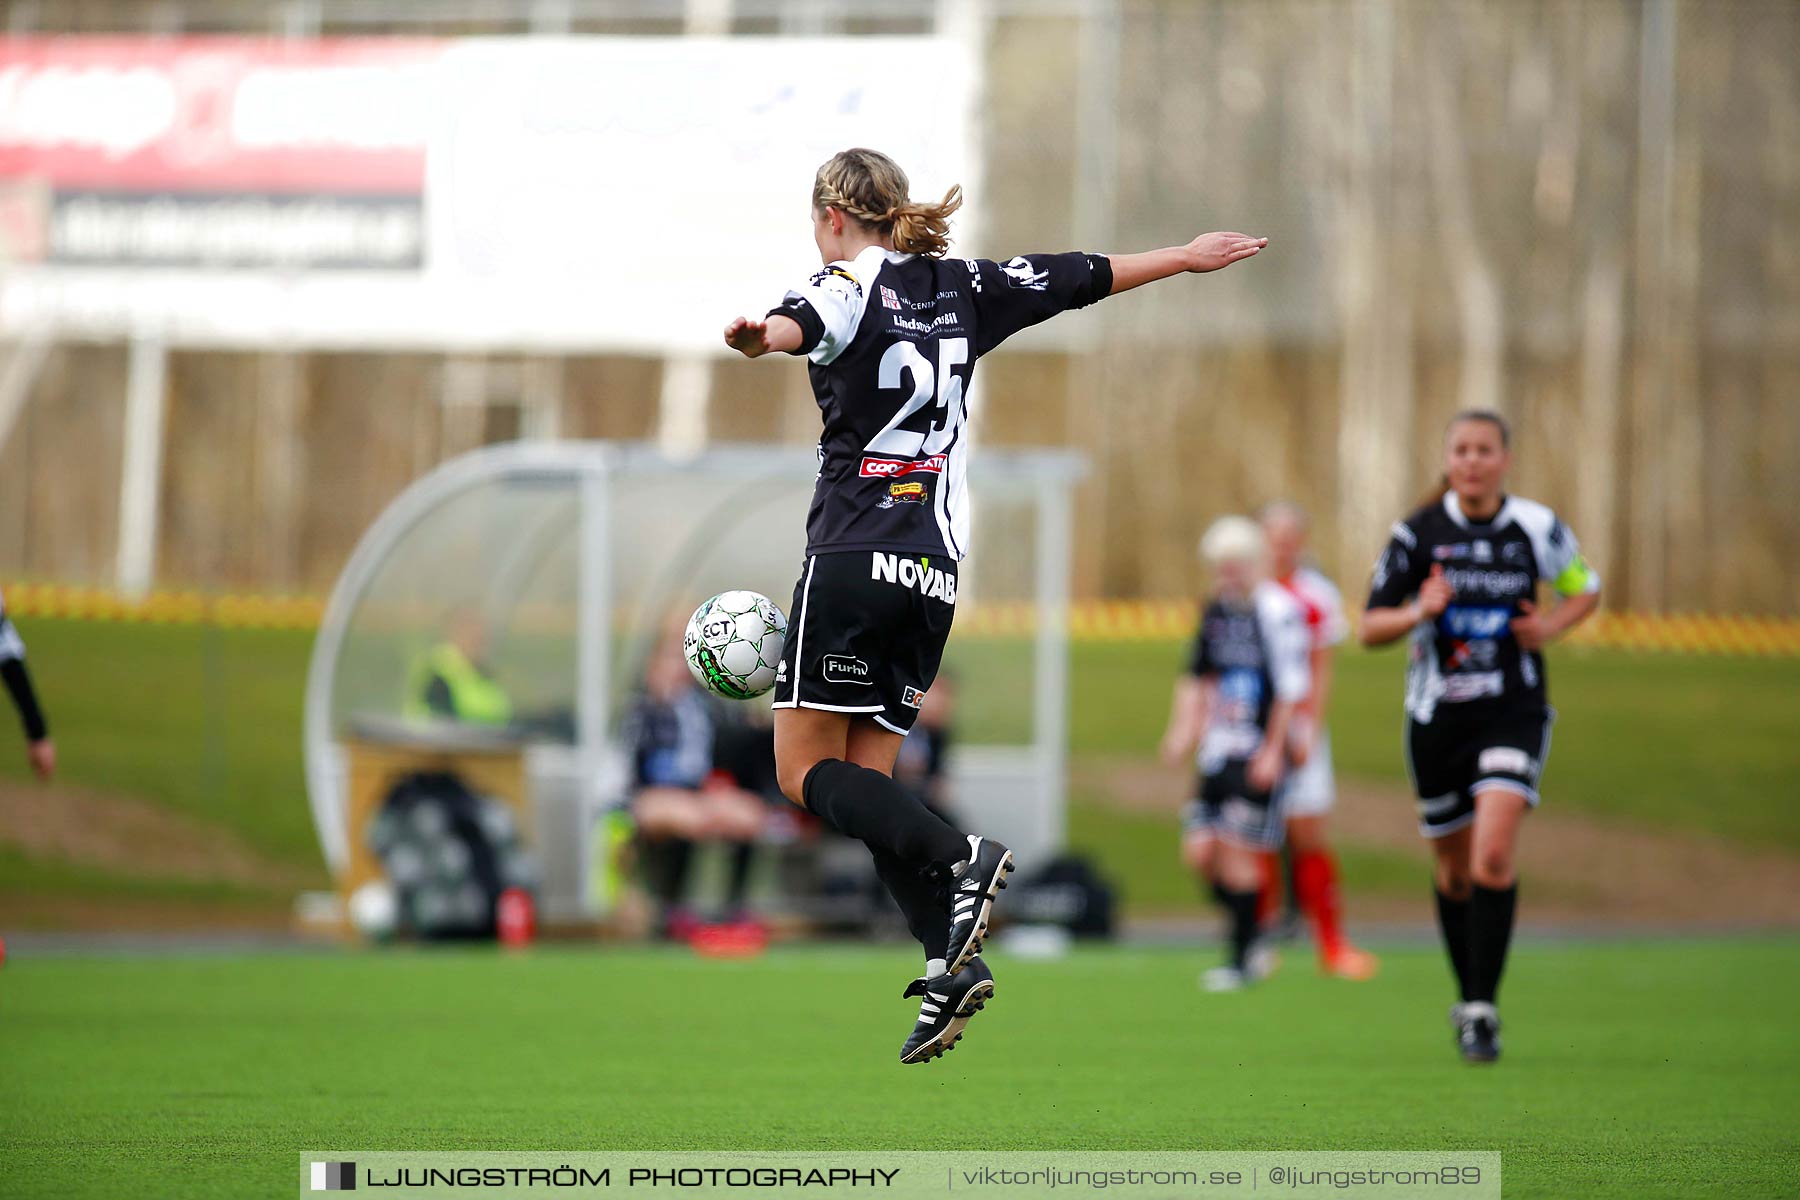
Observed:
{"x":597,"y":194}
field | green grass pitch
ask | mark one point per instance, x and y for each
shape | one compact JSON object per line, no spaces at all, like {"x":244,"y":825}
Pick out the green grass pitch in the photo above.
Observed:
{"x":1657,"y":1068}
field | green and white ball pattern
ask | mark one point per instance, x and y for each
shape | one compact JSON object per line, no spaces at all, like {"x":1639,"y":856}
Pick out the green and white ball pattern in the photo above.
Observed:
{"x":734,"y":642}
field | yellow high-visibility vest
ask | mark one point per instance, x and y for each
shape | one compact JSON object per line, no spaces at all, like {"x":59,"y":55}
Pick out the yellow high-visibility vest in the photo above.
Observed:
{"x":474,"y":697}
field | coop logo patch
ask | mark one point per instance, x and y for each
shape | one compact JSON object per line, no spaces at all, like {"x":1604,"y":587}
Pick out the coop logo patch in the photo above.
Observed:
{"x":844,"y":668}
{"x":905,"y":493}
{"x":334,"y":1177}
{"x":917,"y":573}
{"x":890,"y":468}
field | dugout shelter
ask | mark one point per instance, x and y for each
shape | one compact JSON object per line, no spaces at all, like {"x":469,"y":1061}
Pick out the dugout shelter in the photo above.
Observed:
{"x":576,"y":556}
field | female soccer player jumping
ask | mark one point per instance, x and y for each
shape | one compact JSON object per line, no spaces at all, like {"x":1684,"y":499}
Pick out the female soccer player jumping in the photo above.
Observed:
{"x":1461,"y":576}
{"x":892,"y":330}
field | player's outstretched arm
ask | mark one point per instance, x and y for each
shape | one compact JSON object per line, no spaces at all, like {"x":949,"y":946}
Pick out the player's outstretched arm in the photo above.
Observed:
{"x":753,"y":339}
{"x":1208,"y":252}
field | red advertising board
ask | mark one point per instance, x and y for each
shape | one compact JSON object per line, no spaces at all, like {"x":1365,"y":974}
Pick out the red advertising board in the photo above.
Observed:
{"x":226,"y":152}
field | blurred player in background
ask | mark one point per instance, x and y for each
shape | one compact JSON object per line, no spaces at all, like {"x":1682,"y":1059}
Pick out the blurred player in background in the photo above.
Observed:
{"x":1460,"y":576}
{"x":40,"y":751}
{"x":680,"y":795}
{"x":1246,"y":679}
{"x":892,"y":330}
{"x":1310,"y":789}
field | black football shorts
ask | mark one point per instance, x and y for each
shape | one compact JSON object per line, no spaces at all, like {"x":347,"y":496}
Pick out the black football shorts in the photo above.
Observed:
{"x":866,"y":634}
{"x":1463,"y":751}
{"x":1226,"y":806}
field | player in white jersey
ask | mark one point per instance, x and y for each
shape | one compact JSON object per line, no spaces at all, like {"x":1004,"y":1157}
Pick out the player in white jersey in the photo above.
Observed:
{"x":892,"y":330}
{"x":1310,"y":790}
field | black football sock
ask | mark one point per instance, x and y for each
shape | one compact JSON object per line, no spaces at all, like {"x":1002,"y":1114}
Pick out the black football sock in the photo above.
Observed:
{"x":870,"y":807}
{"x":676,"y":855}
{"x":1490,"y":932}
{"x":1242,"y":907}
{"x":742,"y":854}
{"x":1220,"y":896}
{"x":1453,"y":920}
{"x":924,"y":904}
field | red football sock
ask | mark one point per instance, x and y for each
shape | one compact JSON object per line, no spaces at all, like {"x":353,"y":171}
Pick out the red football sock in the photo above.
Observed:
{"x":1315,"y":879}
{"x":1268,"y":900}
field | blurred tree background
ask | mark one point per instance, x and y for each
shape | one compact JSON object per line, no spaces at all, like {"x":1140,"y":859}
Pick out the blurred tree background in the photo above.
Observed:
{"x":1583,"y":213}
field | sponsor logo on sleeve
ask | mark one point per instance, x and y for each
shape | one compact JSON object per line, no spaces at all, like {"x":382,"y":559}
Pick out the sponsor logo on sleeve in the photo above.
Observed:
{"x":836,"y":272}
{"x":1020,"y":274}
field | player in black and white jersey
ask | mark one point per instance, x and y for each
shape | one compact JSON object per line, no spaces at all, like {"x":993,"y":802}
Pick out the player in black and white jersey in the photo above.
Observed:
{"x":892,"y":330}
{"x":1246,"y":678}
{"x":1461,"y":576}
{"x":40,"y":751}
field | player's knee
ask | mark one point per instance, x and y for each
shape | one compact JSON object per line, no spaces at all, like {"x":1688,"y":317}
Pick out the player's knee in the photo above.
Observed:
{"x":1240,"y":870}
{"x":1197,"y":854}
{"x":1453,"y":879}
{"x":791,"y":776}
{"x":1492,"y":868}
{"x":1306,"y":834}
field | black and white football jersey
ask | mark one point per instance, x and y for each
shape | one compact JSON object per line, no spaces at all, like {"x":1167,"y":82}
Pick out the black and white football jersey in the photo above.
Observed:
{"x":893,"y":339}
{"x":1257,"y":654}
{"x":1468,"y":656}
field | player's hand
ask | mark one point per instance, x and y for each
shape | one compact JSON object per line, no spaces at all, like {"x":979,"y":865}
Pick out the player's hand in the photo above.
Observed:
{"x":1210,"y":251}
{"x":1300,"y":742}
{"x":1529,"y":628}
{"x":1435,"y":594}
{"x":42,"y":755}
{"x":749,"y":338}
{"x":1264,"y":770}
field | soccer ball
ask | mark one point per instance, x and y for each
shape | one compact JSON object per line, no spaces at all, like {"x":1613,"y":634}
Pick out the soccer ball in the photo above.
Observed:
{"x":375,"y":910}
{"x":733,"y":643}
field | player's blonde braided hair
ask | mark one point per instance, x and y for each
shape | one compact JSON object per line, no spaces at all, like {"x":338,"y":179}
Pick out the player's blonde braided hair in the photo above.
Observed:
{"x":871,"y":189}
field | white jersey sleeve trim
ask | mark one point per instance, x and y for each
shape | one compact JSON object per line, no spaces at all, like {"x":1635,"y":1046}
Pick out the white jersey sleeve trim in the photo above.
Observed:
{"x":839,"y":292}
{"x":1552,"y":542}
